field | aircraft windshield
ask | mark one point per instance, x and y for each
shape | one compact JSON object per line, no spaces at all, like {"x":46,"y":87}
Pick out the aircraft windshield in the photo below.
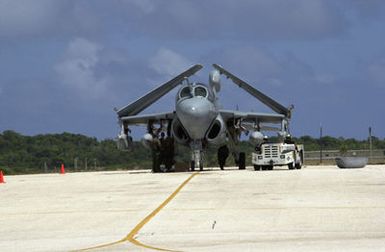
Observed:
{"x":200,"y":91}
{"x":185,"y":92}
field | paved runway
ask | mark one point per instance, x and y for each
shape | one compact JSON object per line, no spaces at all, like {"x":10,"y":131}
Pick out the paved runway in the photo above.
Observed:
{"x":313,"y":209}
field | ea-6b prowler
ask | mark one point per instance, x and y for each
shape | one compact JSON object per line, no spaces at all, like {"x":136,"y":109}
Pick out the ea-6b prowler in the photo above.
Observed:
{"x":198,"y":121}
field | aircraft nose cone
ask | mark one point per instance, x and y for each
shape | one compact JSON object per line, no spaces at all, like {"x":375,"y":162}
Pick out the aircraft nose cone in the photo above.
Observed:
{"x":196,"y":115}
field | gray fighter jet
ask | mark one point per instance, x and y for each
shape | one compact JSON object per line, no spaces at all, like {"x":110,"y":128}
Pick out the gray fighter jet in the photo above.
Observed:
{"x":198,"y":121}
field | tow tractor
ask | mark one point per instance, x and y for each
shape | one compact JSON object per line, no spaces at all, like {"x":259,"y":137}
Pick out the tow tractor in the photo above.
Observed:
{"x":267,"y":155}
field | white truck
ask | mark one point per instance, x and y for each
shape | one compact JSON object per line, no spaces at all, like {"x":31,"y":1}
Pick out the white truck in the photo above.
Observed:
{"x":267,"y":155}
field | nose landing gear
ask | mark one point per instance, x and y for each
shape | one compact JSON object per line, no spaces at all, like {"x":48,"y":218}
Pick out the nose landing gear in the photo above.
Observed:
{"x":196,"y":155}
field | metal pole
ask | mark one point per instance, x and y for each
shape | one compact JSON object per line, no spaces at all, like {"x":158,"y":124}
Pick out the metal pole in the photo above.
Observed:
{"x":320,"y":143}
{"x":370,"y":144}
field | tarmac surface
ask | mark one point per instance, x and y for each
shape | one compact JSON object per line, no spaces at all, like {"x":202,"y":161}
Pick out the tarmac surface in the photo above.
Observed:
{"x":318,"y":208}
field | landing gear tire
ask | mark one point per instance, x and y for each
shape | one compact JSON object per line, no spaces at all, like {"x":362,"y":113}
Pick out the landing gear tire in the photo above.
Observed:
{"x":192,"y":166}
{"x":257,"y":167}
{"x":156,"y":163}
{"x":242,"y":161}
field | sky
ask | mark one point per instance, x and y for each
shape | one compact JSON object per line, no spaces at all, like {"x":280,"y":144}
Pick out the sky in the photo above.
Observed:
{"x":65,"y":64}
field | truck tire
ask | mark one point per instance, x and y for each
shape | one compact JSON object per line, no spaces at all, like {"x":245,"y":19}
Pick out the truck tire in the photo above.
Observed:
{"x":257,"y":167}
{"x":242,"y":161}
{"x":291,"y":166}
{"x":299,"y":165}
{"x":192,"y":165}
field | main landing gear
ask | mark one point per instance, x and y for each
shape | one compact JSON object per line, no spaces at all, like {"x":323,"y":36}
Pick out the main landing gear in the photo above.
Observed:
{"x":223,"y":153}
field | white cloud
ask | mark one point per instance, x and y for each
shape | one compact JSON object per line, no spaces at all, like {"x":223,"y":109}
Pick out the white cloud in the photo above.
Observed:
{"x":169,"y":63}
{"x":78,"y":69}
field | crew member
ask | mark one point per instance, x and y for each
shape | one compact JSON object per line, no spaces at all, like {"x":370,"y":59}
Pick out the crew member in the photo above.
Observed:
{"x":223,"y":153}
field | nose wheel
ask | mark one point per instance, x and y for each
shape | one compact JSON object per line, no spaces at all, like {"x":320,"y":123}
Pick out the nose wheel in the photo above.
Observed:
{"x":192,"y":166}
{"x":197,"y":160}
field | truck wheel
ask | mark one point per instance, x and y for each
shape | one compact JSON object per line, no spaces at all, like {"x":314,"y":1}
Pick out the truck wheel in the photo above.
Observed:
{"x":270,"y":167}
{"x":257,"y":167}
{"x":242,"y":161}
{"x":192,"y":165}
{"x":291,"y":166}
{"x":299,"y":165}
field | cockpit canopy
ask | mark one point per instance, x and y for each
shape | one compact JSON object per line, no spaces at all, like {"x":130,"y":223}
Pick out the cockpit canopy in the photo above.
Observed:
{"x":193,"y":91}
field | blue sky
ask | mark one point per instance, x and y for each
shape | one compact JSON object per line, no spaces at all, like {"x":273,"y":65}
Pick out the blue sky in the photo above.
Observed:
{"x":65,"y":64}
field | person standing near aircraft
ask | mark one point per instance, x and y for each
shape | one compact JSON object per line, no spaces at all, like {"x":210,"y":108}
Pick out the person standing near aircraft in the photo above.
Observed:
{"x":223,"y":153}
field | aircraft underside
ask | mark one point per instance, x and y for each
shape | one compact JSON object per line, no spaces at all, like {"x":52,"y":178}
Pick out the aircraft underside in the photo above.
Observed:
{"x":162,"y":144}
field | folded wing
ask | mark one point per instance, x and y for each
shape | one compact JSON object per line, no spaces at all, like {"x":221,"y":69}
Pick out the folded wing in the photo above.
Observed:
{"x":142,"y":103}
{"x":275,"y":106}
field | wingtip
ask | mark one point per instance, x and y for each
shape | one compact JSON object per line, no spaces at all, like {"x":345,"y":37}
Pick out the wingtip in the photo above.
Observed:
{"x":220,"y":69}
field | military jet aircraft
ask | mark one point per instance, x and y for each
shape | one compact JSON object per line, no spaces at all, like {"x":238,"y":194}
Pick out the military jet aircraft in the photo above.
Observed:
{"x":198,"y":121}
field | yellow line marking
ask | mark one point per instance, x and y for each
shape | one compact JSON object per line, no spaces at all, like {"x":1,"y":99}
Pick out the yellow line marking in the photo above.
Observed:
{"x":131,"y":236}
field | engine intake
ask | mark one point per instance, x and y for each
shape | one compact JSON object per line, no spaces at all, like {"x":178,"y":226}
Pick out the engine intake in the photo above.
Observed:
{"x":179,"y":133}
{"x":217,"y":133}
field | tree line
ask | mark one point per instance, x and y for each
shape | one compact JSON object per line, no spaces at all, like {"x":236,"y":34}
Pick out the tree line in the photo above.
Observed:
{"x":20,"y":154}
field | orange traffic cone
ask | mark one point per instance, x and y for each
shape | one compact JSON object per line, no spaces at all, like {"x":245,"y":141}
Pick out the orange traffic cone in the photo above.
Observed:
{"x":62,"y":170}
{"x":1,"y":177}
